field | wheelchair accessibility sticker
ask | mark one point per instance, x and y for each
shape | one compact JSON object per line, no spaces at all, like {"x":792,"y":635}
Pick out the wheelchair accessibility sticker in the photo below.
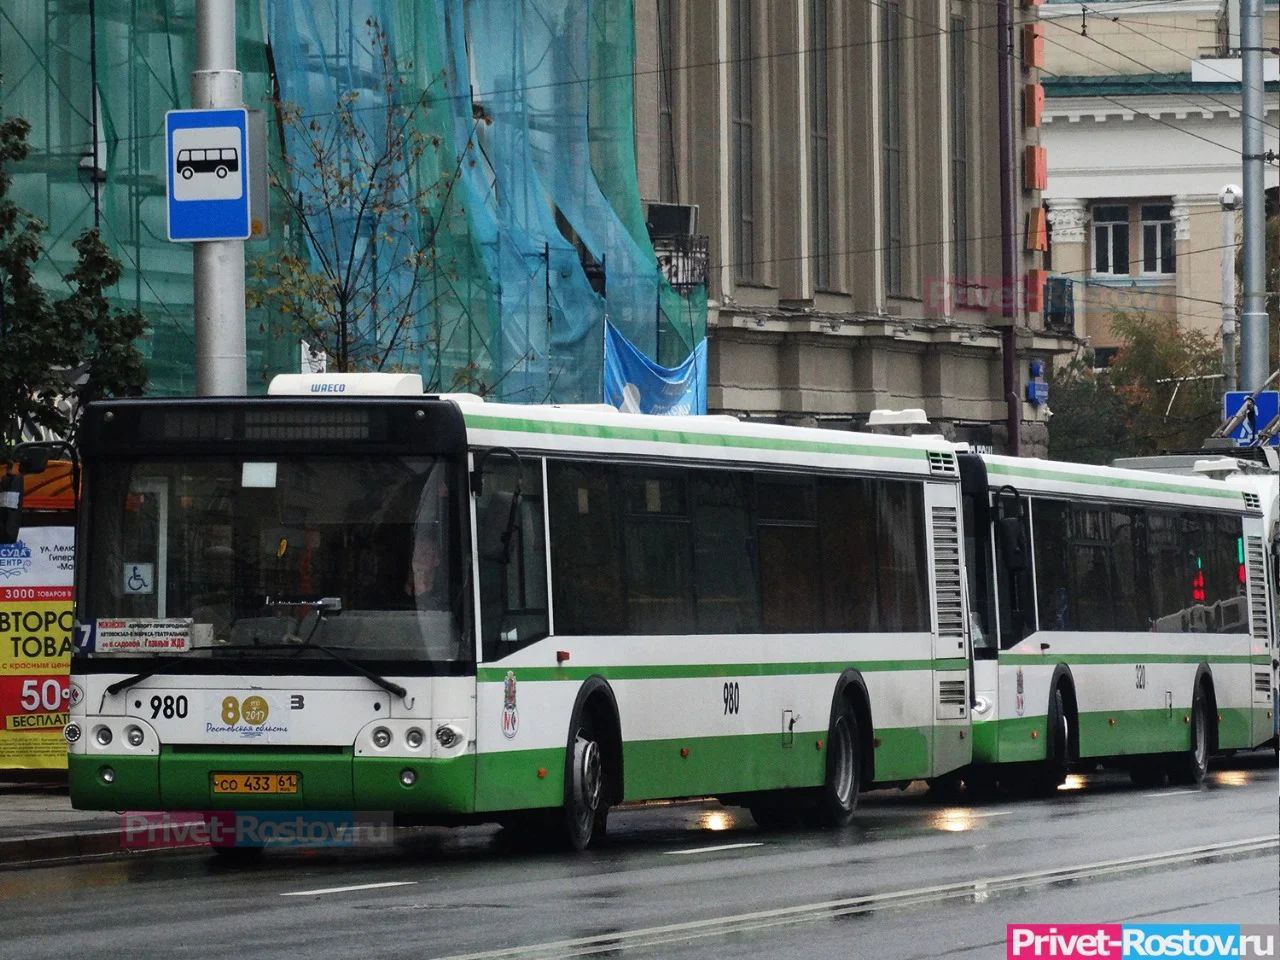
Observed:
{"x":139,"y":579}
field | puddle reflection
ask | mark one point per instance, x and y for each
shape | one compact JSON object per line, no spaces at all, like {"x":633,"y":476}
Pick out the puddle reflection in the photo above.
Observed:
{"x":955,"y":820}
{"x":1074,"y":781}
{"x":717,"y":820}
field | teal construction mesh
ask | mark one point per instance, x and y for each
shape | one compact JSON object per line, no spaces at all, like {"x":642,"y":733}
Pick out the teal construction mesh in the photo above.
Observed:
{"x":535,"y":236}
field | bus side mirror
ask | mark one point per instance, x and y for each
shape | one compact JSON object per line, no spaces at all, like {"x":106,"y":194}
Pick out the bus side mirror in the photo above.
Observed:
{"x":1013,"y":547}
{"x":10,"y":507}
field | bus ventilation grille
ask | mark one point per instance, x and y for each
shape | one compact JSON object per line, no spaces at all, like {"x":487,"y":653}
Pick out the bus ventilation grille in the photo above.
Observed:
{"x":952,"y":699}
{"x":1252,"y":501}
{"x":942,"y":464}
{"x":1262,"y":681}
{"x":947,"y":576}
{"x":1257,"y":588}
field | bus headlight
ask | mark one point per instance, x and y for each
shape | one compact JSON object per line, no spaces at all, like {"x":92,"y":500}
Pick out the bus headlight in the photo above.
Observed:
{"x":134,"y":735}
{"x":414,"y":738}
{"x":102,"y":735}
{"x":381,"y":738}
{"x":71,"y":732}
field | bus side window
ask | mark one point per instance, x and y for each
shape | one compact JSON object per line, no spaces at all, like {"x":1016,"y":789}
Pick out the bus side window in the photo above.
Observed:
{"x":511,"y":546}
{"x":1014,"y":576}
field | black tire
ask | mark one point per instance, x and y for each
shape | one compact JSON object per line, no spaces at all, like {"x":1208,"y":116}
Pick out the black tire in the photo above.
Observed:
{"x":777,"y":811}
{"x":221,"y":173}
{"x":1051,"y":773}
{"x":1147,"y":772}
{"x":187,"y":173}
{"x":1191,"y":766}
{"x":838,"y":796}
{"x":584,"y":816}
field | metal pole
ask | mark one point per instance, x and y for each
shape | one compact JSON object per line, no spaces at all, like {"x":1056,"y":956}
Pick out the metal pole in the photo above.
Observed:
{"x":1254,"y":341}
{"x":1230,"y":199}
{"x":218,"y":265}
{"x":1008,"y":230}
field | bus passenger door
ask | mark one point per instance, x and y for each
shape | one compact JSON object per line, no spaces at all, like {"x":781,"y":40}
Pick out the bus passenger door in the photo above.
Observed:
{"x":952,"y":745}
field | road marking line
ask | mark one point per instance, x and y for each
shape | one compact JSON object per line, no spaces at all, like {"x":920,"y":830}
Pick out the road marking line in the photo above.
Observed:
{"x":359,"y":886}
{"x":648,"y":937}
{"x":1173,"y":793}
{"x":723,"y":846}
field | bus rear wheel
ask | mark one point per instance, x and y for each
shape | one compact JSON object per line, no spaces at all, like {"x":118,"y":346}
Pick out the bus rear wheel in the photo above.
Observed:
{"x":586,"y":809}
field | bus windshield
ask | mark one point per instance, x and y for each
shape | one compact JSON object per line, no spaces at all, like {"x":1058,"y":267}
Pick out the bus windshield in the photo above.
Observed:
{"x":213,"y":556}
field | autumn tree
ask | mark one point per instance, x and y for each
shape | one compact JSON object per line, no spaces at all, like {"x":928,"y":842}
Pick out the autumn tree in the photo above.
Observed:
{"x":1162,"y":393}
{"x":363,"y":187}
{"x":56,"y":354}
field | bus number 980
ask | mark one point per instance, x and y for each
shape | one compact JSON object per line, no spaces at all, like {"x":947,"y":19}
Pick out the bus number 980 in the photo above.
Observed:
{"x":731,"y":697}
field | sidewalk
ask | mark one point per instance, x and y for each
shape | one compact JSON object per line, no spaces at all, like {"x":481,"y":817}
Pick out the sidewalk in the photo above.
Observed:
{"x":38,"y":824}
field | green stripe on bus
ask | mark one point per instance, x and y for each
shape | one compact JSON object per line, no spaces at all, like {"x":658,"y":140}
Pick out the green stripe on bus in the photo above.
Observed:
{"x":686,"y":671}
{"x":717,"y":765}
{"x":1050,"y":658}
{"x":1117,"y":733}
{"x":653,"y":435}
{"x":1038,"y":474}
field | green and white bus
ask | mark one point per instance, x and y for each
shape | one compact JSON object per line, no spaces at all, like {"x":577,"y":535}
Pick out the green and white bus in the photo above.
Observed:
{"x":351,"y":596}
{"x":1118,"y":615}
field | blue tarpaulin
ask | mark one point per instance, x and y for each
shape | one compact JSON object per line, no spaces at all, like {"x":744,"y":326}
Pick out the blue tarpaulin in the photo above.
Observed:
{"x":635,"y":384}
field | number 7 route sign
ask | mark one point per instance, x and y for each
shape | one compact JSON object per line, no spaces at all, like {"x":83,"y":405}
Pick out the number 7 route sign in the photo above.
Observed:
{"x":207,"y":180}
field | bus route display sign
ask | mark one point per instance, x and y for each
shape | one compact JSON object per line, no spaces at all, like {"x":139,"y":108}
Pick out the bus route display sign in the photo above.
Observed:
{"x":35,"y":647}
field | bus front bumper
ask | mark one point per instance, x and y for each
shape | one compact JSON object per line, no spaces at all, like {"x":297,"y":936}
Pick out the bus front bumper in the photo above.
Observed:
{"x":182,"y":780}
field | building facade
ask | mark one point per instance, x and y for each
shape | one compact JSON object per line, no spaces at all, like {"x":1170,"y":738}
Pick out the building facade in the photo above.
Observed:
{"x":844,"y":159}
{"x":1142,"y":124}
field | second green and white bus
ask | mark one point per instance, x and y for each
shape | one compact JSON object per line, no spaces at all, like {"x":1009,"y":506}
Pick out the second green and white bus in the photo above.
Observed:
{"x":1119,"y":616}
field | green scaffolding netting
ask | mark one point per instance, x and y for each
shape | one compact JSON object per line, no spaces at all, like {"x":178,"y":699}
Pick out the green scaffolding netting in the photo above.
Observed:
{"x":534,"y":238}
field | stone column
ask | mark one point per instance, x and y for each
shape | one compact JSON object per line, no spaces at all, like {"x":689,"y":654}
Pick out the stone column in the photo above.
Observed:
{"x":1197,"y":232}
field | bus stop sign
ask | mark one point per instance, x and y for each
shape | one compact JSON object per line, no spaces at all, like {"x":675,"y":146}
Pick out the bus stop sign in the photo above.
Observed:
{"x":1267,"y":403}
{"x":207,"y":177}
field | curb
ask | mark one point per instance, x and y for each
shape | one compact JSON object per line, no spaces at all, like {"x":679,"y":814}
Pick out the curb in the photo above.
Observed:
{"x":22,"y":851}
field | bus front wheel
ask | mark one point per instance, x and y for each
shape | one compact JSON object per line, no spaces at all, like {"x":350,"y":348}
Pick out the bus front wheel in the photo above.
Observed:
{"x":586,"y":808}
{"x":839,"y":796}
{"x":1192,"y":766}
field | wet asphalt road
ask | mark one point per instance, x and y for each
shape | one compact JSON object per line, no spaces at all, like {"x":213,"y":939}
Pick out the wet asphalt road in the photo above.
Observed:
{"x":912,"y":878}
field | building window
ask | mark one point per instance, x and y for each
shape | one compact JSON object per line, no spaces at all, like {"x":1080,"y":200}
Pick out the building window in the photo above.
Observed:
{"x":891,"y":114}
{"x":742,"y":118}
{"x":959,"y":153}
{"x":1111,"y":239}
{"x":819,"y":144}
{"x":668,"y":183}
{"x":1157,"y":238}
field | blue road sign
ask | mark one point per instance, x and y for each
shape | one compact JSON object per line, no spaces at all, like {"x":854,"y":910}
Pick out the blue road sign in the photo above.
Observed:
{"x":208,"y":183}
{"x":1266,"y":406}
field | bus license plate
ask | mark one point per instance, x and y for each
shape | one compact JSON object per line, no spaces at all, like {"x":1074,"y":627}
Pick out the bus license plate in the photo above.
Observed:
{"x":255,"y":783}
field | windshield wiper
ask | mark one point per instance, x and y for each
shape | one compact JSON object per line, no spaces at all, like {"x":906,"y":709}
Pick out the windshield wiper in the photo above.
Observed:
{"x":388,"y":685}
{"x":164,"y":663}
{"x":160,"y":663}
